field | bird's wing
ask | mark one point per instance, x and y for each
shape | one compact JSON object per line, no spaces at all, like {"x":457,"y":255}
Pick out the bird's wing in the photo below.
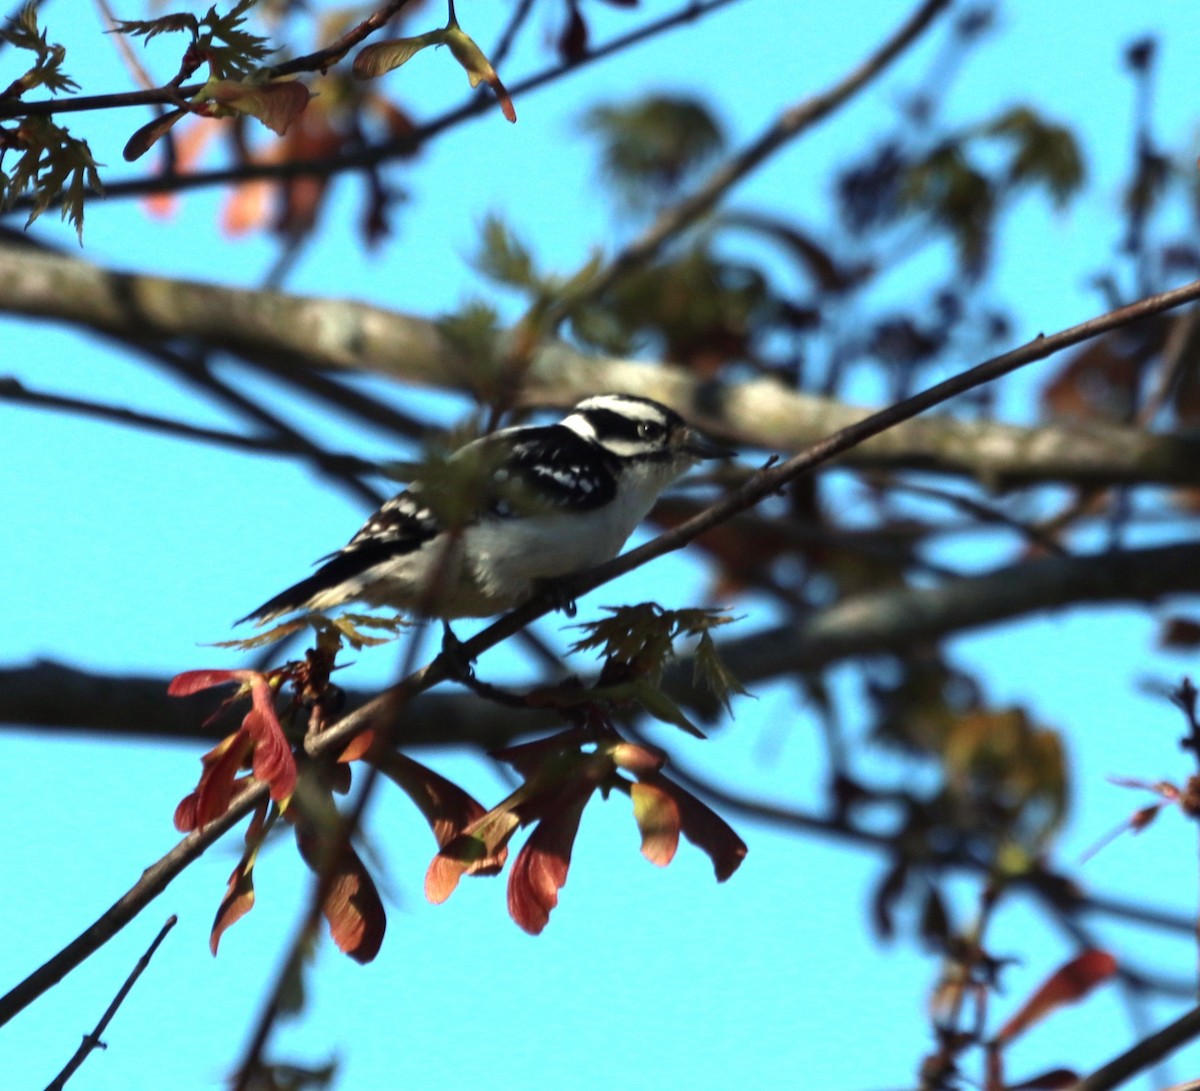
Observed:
{"x":553,"y":467}
{"x":401,"y":526}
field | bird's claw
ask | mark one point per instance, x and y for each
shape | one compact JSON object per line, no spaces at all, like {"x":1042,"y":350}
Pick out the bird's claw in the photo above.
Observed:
{"x":561,"y":599}
{"x":454,"y":652}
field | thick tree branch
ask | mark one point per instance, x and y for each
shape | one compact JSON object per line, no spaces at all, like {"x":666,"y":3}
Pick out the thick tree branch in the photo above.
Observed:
{"x":55,"y":696}
{"x":305,"y":332}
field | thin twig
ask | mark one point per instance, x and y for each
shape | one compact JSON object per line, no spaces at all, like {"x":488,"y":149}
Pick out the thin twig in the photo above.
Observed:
{"x":92,"y":1041}
{"x":508,"y":36}
{"x":380,"y":711}
{"x":364,"y":157}
{"x":13,"y":390}
{"x":171,"y":94}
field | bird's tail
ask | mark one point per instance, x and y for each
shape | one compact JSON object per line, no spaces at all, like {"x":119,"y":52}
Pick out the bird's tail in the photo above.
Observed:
{"x":341,"y":579}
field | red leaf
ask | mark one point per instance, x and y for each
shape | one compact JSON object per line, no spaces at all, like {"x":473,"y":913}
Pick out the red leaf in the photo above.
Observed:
{"x":214,"y":791}
{"x":189,"y":682}
{"x":352,"y":907}
{"x":704,"y":828}
{"x":273,"y":761}
{"x":1069,"y":983}
{"x":239,"y":897}
{"x":354,"y":910}
{"x":446,"y":807}
{"x":541,"y":867}
{"x":658,"y":820}
{"x":635,"y":759}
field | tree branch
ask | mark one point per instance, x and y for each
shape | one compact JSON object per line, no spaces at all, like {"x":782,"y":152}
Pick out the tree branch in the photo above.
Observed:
{"x":366,"y":157}
{"x":1143,"y":1054}
{"x":92,"y":1041}
{"x":13,"y":390}
{"x":52,"y":695}
{"x":305,"y":332}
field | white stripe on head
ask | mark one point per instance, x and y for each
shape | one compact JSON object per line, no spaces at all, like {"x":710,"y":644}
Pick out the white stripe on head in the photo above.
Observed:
{"x":580,"y":425}
{"x":627,"y":405}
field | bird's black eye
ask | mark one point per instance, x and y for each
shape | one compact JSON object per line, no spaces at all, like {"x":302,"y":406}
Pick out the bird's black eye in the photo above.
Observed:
{"x":651,"y":430}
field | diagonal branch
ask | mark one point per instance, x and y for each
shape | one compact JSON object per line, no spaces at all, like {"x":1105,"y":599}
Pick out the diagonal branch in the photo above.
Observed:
{"x":790,"y":124}
{"x":13,"y":390}
{"x":92,"y":1041}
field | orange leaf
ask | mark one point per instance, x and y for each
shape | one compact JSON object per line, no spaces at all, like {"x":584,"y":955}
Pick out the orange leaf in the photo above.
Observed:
{"x":276,"y":105}
{"x":704,"y":828}
{"x":352,"y":907}
{"x":1071,"y":982}
{"x":214,"y":791}
{"x":239,"y":897}
{"x":658,"y":819}
{"x":273,"y":761}
{"x":446,"y":807}
{"x":480,"y":849}
{"x":354,"y":910}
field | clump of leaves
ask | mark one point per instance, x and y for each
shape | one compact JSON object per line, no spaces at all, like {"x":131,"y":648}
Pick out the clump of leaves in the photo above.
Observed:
{"x":347,"y":626}
{"x":973,"y":974}
{"x":652,"y":147}
{"x":962,"y":182}
{"x":21,"y":32}
{"x":301,"y":790}
{"x":561,"y":774}
{"x":52,"y":165}
{"x":220,"y":41}
{"x":639,"y":641}
{"x":236,"y":83}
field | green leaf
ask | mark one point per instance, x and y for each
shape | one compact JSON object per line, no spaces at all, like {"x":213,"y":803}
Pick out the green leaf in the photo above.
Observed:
{"x":504,"y":258}
{"x":150,"y":134}
{"x":22,"y":32}
{"x":1042,"y":152}
{"x":174,"y":23}
{"x":652,"y":147}
{"x":653,"y":700}
{"x":276,"y":105}
{"x":378,"y":58}
{"x":715,"y":676}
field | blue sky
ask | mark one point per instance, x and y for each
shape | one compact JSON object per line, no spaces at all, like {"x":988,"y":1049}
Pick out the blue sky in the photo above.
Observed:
{"x":126,"y":552}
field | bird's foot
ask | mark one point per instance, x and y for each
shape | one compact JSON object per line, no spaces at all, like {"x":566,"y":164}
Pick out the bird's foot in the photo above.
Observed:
{"x":556,"y":591}
{"x":454,"y":652}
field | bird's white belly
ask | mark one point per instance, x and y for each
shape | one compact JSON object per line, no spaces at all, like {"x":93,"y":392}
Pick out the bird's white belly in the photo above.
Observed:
{"x":509,"y":556}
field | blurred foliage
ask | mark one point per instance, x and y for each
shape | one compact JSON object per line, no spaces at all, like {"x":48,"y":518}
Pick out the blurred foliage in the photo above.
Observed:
{"x":652,"y":147}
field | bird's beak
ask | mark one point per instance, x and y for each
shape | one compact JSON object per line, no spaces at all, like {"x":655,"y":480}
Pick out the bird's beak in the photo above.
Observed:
{"x":699,"y":445}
